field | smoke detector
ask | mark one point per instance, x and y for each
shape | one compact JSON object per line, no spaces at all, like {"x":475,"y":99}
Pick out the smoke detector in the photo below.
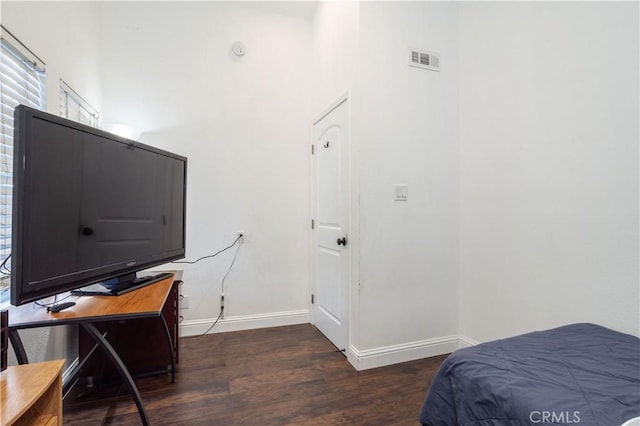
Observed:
{"x":239,"y":49}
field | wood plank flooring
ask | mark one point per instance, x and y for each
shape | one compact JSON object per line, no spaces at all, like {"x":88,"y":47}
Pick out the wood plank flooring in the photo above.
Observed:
{"x":275,"y":376}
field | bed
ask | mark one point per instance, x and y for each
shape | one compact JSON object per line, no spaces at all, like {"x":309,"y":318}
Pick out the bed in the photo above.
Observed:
{"x":581,"y":374}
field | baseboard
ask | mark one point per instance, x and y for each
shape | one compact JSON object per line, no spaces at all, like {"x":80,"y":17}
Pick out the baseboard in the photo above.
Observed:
{"x":466,"y":342}
{"x":388,"y":355}
{"x":244,"y":322}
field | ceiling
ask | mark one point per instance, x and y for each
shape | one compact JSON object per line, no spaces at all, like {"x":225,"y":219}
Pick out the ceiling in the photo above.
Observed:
{"x":296,"y":9}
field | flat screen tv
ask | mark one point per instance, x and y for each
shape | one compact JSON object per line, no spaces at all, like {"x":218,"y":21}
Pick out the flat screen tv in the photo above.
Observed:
{"x":89,"y":207}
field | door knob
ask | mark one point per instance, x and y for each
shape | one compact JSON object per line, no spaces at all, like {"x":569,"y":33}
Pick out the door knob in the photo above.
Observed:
{"x":342,"y":241}
{"x":86,"y":231}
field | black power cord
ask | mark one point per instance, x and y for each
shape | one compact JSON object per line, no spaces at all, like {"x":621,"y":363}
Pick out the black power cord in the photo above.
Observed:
{"x":3,"y":265}
{"x":55,"y":301}
{"x":211,"y":255}
{"x":223,"y":278}
{"x":215,"y":322}
{"x":233,"y":261}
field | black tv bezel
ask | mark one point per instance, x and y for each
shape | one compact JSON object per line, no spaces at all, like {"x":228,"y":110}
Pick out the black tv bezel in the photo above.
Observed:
{"x":21,"y":209}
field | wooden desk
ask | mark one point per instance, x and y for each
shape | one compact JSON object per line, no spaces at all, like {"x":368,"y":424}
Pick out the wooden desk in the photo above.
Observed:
{"x":134,"y":340}
{"x":32,"y":394}
{"x":146,"y":302}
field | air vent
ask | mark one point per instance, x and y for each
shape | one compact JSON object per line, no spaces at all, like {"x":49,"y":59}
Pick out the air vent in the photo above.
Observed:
{"x":423,"y":59}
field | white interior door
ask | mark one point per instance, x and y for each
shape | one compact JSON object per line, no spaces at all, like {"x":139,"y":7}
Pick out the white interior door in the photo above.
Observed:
{"x":330,"y":215}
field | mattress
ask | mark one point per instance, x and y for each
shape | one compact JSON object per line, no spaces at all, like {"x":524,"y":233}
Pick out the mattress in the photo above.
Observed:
{"x":581,"y":374}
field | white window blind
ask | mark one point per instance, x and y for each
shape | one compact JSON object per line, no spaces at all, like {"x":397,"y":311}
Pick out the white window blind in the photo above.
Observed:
{"x":22,"y":81}
{"x":74,"y":107}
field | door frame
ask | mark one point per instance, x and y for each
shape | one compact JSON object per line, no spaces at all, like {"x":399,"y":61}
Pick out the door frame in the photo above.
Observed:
{"x":345,"y":97}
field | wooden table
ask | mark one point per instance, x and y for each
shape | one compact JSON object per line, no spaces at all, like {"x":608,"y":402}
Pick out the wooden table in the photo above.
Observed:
{"x":31,"y":394}
{"x":146,"y":302}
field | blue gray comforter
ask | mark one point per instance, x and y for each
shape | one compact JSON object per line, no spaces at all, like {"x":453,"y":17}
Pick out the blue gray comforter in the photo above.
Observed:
{"x":580,"y":374}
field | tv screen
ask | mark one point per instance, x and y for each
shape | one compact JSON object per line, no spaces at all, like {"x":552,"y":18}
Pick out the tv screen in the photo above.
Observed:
{"x":89,"y":206}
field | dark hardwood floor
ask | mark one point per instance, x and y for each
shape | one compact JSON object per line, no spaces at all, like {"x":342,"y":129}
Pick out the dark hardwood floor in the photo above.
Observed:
{"x":276,"y":376}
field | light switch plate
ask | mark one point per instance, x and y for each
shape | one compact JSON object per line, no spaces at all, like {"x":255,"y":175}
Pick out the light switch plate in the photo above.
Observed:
{"x":402,"y":192}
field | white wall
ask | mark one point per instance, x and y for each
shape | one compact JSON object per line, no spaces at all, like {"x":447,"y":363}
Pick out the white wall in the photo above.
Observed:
{"x":243,"y":123}
{"x":335,"y":52}
{"x":549,"y":166}
{"x":66,"y":37}
{"x":409,"y":135}
{"x":521,"y":155}
{"x":335,"y":64}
